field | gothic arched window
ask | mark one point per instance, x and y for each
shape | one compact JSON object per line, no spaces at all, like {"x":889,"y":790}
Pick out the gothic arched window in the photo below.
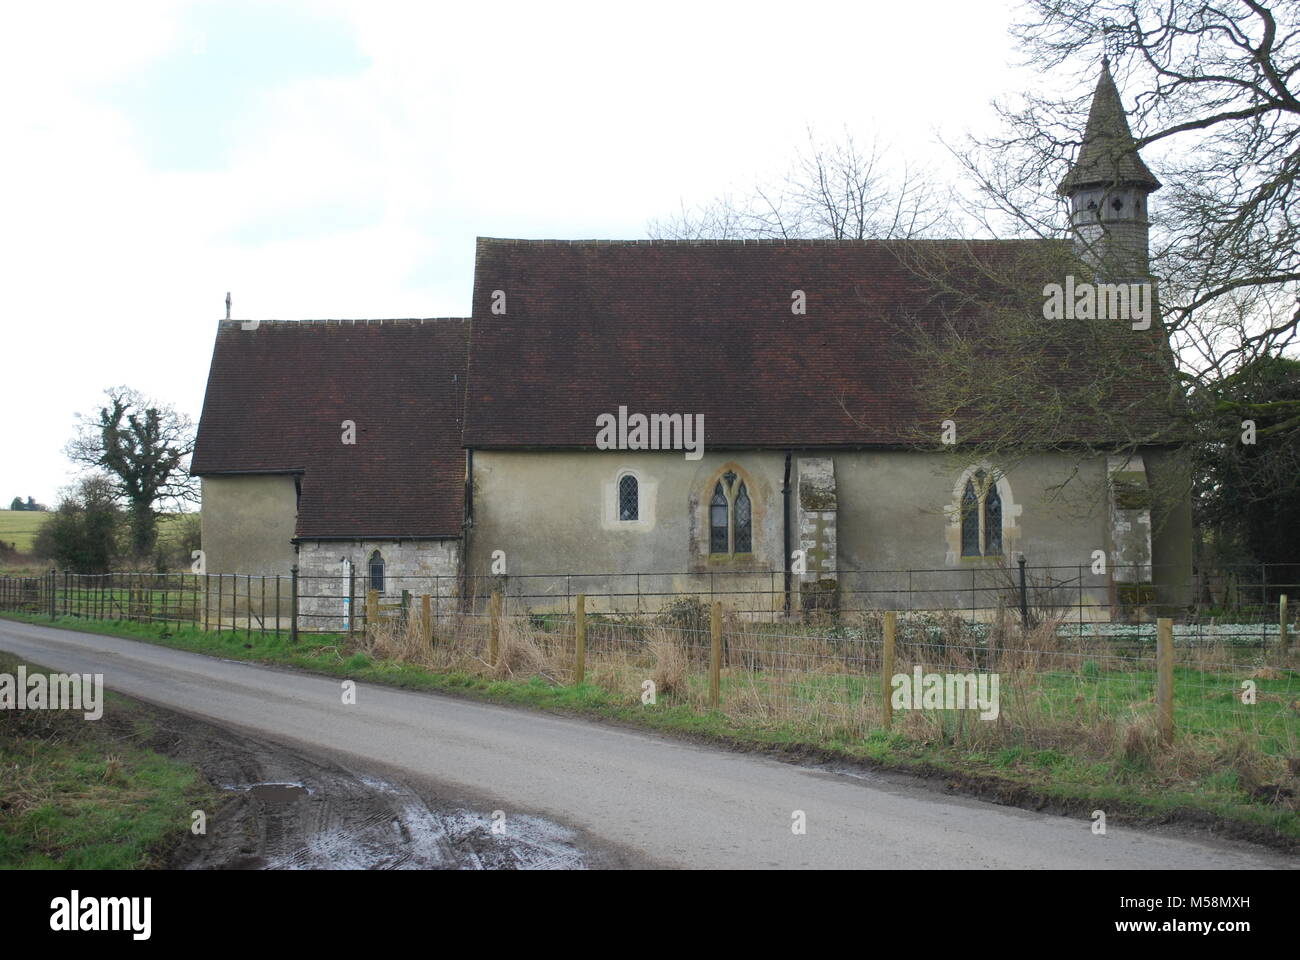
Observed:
{"x":731,"y":517}
{"x":970,"y":522}
{"x":981,"y":517}
{"x":377,"y":571}
{"x":629,"y":498}
{"x":744,"y":521}
{"x":718,"y":520}
{"x":993,"y":522}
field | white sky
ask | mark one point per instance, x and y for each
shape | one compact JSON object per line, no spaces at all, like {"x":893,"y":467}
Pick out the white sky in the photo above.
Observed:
{"x":333,"y":159}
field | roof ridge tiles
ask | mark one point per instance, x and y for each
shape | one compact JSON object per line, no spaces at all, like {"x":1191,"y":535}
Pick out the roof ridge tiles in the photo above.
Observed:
{"x":751,"y":242}
{"x":361,"y":321}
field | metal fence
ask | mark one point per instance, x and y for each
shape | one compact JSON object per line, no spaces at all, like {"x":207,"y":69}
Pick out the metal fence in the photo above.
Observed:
{"x":1241,"y":604}
{"x":1076,"y":656}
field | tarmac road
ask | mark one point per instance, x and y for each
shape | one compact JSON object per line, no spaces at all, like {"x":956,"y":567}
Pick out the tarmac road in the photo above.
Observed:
{"x":663,"y":802}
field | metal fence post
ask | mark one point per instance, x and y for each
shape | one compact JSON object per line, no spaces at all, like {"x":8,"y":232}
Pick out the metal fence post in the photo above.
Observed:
{"x":53,"y":611}
{"x":1024,"y":595}
{"x":293,"y":614}
{"x":1284,"y":641}
{"x":352,"y":592}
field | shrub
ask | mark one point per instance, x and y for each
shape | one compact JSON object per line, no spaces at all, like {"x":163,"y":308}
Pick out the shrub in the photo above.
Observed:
{"x":84,"y":534}
{"x":686,"y":613}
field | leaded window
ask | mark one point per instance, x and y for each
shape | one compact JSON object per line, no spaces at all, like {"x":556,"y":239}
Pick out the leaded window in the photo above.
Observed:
{"x":744,"y":521}
{"x":981,"y":517}
{"x":377,"y":571}
{"x":731,"y":517}
{"x":629,"y":498}
{"x":718,"y":520}
{"x":993,"y":522}
{"x":970,"y":522}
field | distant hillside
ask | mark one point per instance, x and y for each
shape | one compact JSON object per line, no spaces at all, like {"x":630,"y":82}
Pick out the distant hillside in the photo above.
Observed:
{"x":20,"y":526}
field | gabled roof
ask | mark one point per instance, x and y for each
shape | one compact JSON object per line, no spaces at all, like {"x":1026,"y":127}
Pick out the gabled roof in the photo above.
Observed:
{"x":276,"y":399}
{"x":1107,"y":156}
{"x":706,"y":327}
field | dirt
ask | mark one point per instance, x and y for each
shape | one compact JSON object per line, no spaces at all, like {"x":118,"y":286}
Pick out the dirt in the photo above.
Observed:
{"x":286,"y":809}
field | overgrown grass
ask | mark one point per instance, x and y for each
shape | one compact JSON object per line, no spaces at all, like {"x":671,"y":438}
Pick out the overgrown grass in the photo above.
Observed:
{"x":83,"y":794}
{"x":1076,"y":728}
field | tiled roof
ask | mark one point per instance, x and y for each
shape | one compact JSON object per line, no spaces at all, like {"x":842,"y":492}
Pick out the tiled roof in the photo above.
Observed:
{"x":706,"y":327}
{"x":278,"y":394}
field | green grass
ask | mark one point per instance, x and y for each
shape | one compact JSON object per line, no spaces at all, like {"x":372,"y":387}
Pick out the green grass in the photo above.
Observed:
{"x":19,"y":527}
{"x":1128,"y":787}
{"x":83,"y":794}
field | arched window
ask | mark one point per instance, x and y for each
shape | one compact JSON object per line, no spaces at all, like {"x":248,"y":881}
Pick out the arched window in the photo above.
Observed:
{"x":981,"y":517}
{"x":993,"y":522}
{"x":377,"y":572}
{"x":731,"y":517}
{"x":629,"y":498}
{"x":718,"y":520}
{"x":970,"y":522}
{"x":744,"y":522}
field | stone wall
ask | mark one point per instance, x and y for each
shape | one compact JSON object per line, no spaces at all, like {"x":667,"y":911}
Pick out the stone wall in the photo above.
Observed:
{"x":418,"y":567}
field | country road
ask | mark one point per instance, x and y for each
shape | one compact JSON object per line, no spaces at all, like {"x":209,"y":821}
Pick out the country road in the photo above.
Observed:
{"x":663,"y":802}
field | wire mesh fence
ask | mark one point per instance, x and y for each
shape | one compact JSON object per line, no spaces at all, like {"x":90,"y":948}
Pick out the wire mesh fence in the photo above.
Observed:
{"x":1041,"y":661}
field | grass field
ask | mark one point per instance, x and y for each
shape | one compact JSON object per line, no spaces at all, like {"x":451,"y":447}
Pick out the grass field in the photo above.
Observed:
{"x":20,"y":526}
{"x":84,"y":794}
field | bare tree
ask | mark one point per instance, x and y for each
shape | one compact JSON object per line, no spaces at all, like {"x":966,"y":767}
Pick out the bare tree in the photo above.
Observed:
{"x":1211,"y":91}
{"x":832,"y":191}
{"x":145,"y":448}
{"x":1216,"y":89}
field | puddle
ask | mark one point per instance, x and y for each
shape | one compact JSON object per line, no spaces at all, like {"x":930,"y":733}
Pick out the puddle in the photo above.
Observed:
{"x":278,"y":794}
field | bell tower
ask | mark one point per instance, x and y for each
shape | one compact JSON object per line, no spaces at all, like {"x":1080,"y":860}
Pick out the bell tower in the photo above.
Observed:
{"x":1108,"y":187}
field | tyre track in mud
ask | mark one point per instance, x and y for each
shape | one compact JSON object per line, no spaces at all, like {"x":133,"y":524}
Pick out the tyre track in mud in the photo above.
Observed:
{"x":318,"y":813}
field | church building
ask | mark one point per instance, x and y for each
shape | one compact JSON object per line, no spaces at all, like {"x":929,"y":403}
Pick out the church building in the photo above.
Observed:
{"x":639,"y":420}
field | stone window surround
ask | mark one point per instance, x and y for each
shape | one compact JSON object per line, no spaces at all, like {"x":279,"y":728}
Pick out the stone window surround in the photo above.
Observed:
{"x":1011,"y":511}
{"x":647,"y":489}
{"x":742,"y":476}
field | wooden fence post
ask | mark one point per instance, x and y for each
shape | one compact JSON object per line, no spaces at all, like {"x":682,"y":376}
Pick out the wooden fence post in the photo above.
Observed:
{"x":1284,"y":641}
{"x":887,"y":668}
{"x":372,"y":611}
{"x":580,"y":640}
{"x":1165,"y":678}
{"x":715,"y":655}
{"x":494,"y":635}
{"x":427,"y":619}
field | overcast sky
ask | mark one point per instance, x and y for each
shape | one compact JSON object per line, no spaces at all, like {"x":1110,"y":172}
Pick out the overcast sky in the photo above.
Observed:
{"x":333,"y":159}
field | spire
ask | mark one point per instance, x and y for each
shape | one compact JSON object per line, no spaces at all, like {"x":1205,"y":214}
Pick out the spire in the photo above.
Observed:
{"x":1107,"y":158}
